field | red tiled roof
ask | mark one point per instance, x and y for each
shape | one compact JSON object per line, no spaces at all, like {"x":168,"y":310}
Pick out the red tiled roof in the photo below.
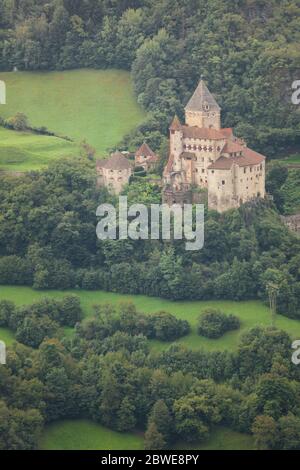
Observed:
{"x":117,"y":161}
{"x":169,"y":165}
{"x":194,"y":132}
{"x":176,"y":124}
{"x":232,"y":147}
{"x":223,"y":163}
{"x":227,"y":131}
{"x":145,"y":151}
{"x":248,"y":158}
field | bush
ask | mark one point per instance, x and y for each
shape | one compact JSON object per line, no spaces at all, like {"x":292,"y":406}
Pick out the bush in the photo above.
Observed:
{"x":166,"y":327}
{"x":213,"y":323}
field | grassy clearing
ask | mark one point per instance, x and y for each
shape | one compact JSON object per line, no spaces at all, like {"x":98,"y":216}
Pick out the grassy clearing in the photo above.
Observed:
{"x":7,"y":336}
{"x":96,"y":105}
{"x":23,"y":151}
{"x":223,"y":439}
{"x":251,"y":313}
{"x":86,"y":435}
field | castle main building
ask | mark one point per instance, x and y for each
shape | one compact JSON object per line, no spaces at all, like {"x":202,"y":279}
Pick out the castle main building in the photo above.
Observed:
{"x":204,"y":155}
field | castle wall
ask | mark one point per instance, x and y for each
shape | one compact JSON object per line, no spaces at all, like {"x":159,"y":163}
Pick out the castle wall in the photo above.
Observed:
{"x":203,"y":119}
{"x":115,"y":180}
{"x":250,"y":182}
{"x":221,"y":190}
{"x":229,"y":189}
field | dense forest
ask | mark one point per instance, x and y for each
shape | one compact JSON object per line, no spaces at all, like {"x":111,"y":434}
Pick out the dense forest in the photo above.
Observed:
{"x":48,"y":240}
{"x":246,"y":49}
{"x":108,"y":373}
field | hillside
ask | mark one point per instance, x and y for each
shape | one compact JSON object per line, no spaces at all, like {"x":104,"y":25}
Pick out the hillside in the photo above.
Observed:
{"x":98,"y":106}
{"x":23,"y":151}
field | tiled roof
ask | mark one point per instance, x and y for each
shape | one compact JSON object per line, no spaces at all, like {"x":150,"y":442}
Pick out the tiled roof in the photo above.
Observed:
{"x":194,"y":132}
{"x":223,"y":163}
{"x":176,"y":124}
{"x":145,"y":151}
{"x":232,"y":148}
{"x":117,"y":161}
{"x":200,"y":98}
{"x":227,"y":131}
{"x":248,"y":158}
{"x":169,"y":165}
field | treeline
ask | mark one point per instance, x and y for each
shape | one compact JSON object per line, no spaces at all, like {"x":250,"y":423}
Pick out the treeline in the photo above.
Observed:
{"x":247,"y":51}
{"x":48,"y":240}
{"x":113,"y":378}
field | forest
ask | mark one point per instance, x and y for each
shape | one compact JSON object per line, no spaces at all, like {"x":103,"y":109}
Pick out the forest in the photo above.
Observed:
{"x":48,"y":241}
{"x":247,"y":50}
{"x":106,"y":371}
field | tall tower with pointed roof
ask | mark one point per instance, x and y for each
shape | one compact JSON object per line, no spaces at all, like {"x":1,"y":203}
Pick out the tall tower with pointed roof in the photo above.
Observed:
{"x":202,"y":109}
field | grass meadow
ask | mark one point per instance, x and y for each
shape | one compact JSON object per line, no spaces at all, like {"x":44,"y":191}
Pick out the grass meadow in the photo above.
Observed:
{"x":96,"y":105}
{"x":251,"y":313}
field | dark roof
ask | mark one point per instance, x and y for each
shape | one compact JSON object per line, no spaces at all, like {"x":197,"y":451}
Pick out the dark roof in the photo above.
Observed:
{"x":200,"y":98}
{"x":145,"y":151}
{"x":117,"y":161}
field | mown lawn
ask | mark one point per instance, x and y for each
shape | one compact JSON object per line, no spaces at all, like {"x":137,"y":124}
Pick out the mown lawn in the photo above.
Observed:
{"x":96,"y":105}
{"x":23,"y":151}
{"x":251,"y":313}
{"x":86,"y":435}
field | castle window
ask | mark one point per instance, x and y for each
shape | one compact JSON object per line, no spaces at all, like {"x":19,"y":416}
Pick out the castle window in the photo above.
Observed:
{"x":195,"y":147}
{"x":203,"y":171}
{"x":218,"y":148}
{"x":205,"y":148}
{"x":172,"y":132}
{"x":200,"y":148}
{"x":245,"y":169}
{"x":223,"y":182}
{"x":210,"y":149}
{"x":184,"y":146}
{"x":212,"y":171}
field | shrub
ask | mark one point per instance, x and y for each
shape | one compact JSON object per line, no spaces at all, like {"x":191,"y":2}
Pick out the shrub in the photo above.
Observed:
{"x":214,"y":324}
{"x":167,"y":327}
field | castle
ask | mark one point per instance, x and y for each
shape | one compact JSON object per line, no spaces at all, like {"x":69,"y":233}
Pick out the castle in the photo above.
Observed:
{"x":203,"y":155}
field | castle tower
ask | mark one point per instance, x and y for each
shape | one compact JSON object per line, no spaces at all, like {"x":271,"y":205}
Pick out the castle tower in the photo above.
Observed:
{"x":202,"y":110}
{"x":176,"y":143}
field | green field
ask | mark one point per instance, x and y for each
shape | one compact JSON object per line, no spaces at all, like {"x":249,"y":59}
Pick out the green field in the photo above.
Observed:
{"x":223,"y":439}
{"x":7,"y":336}
{"x":96,"y":105}
{"x":23,"y":151}
{"x":86,"y":435}
{"x":251,"y":313}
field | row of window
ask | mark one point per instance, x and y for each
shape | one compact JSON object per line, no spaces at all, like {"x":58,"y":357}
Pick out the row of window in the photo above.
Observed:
{"x":200,"y":148}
